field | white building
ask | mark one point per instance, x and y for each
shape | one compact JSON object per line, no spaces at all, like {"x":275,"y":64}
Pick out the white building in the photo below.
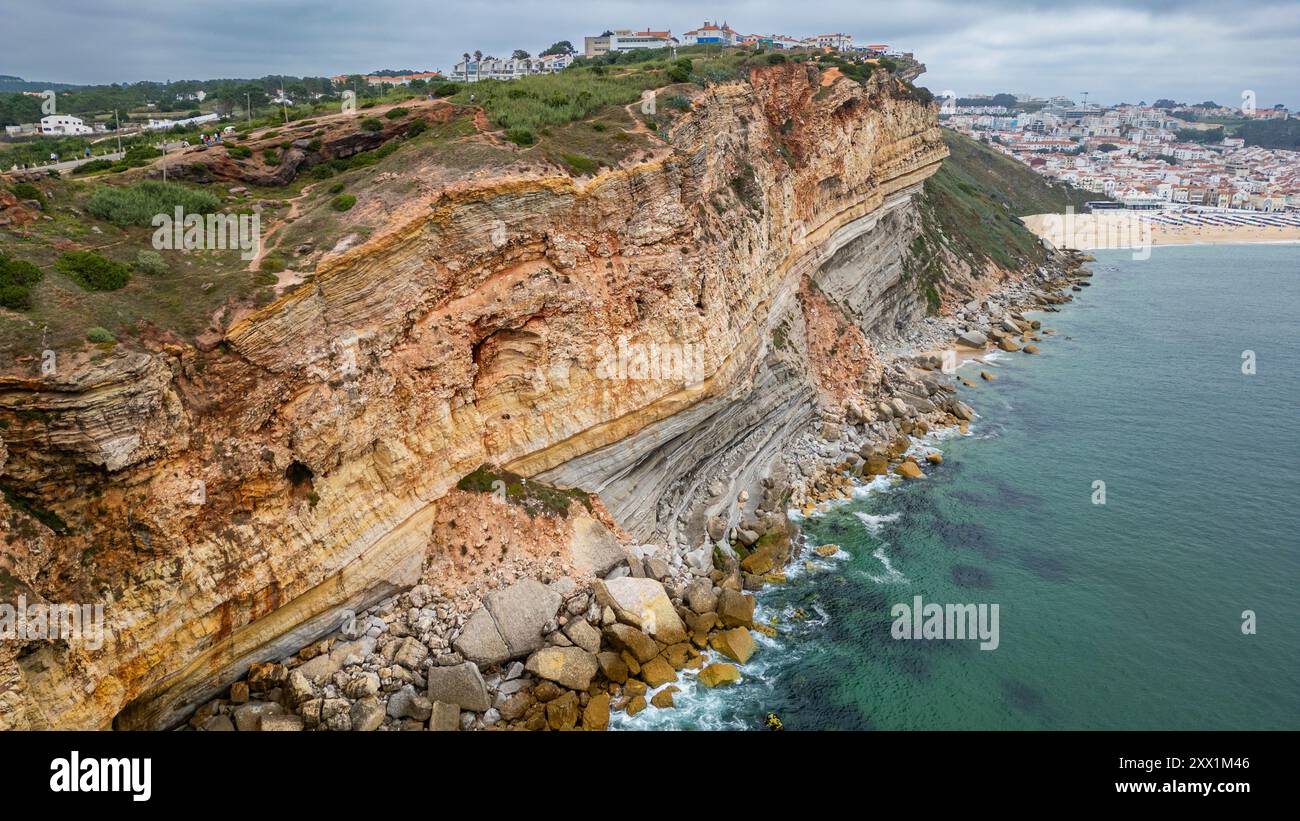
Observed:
{"x":711,"y":34}
{"x":472,"y":71}
{"x":163,"y":125}
{"x":63,"y":125}
{"x":838,"y":42}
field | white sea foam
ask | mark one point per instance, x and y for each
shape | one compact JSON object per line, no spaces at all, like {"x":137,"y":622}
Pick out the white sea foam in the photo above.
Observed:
{"x":891,"y":574}
{"x":876,"y":522}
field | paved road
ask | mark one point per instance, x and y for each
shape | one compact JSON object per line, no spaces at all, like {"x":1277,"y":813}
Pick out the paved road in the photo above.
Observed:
{"x":66,"y":165}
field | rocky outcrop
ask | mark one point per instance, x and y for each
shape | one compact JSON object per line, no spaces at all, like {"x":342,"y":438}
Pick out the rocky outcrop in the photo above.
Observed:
{"x":655,"y":336}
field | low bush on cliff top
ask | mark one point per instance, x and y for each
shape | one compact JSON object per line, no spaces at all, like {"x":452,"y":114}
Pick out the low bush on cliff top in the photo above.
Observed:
{"x":17,"y":276}
{"x":537,"y":498}
{"x":93,"y":272}
{"x":569,"y":96}
{"x":137,"y":204}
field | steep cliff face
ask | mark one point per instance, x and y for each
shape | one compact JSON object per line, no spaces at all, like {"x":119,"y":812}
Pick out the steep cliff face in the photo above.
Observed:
{"x":649,"y":335}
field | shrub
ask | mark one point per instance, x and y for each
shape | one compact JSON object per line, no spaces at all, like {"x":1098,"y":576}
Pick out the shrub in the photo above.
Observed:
{"x":27,"y":191}
{"x":138,"y":204}
{"x":775,"y":59}
{"x":139,"y":154}
{"x":17,"y":276}
{"x":520,"y":136}
{"x":371,"y":124}
{"x":150,"y":262}
{"x":239,"y":152}
{"x":322,"y":172}
{"x":581,"y":164}
{"x":271,"y":156}
{"x":417,"y":128}
{"x":336,"y":188}
{"x":397,"y":113}
{"x":93,"y":272}
{"x":100,"y":335}
{"x":343,"y":202}
{"x":271,"y":264}
{"x":93,"y":166}
{"x":445,"y":89}
{"x":598,"y":126}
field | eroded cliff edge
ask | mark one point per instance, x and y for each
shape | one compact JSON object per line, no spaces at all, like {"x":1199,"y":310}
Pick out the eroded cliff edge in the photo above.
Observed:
{"x":226,"y":508}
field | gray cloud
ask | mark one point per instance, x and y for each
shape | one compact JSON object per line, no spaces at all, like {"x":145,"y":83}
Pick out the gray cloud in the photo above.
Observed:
{"x":1185,"y":49}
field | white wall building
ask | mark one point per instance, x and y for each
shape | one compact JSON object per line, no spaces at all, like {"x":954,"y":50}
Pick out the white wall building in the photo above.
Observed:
{"x":474,"y":70}
{"x":64,"y":125}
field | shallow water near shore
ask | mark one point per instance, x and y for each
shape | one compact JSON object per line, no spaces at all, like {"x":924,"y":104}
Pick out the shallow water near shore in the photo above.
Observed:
{"x":1123,"y":615}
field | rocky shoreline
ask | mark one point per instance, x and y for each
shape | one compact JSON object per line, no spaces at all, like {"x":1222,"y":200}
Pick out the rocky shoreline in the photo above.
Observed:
{"x":551,"y":653}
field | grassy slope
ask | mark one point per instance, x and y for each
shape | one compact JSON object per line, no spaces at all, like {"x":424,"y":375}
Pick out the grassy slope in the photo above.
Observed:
{"x":971,"y":209}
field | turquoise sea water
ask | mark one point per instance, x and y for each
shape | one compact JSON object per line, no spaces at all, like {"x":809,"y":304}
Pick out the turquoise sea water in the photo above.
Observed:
{"x":1126,"y":615}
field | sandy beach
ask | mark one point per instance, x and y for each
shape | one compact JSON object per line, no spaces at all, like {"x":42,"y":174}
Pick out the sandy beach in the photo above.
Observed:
{"x":1089,"y":232}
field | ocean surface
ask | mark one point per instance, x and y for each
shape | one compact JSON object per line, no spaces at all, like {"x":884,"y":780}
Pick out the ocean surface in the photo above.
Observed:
{"x":1122,"y":615}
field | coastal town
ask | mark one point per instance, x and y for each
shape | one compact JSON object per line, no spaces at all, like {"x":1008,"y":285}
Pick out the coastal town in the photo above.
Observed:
{"x":1166,"y":157}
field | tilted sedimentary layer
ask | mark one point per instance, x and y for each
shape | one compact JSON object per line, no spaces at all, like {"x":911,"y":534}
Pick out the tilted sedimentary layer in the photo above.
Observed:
{"x":642,"y":334}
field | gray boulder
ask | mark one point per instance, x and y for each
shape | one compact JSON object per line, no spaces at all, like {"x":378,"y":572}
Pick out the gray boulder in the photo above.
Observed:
{"x":973,"y":339}
{"x":461,"y":684}
{"x":444,"y":717}
{"x":509,"y":624}
{"x":594,"y":550}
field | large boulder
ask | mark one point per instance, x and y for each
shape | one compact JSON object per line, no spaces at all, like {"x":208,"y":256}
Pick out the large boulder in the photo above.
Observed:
{"x":480,"y":641}
{"x":596,"y":714}
{"x":624,"y":637}
{"x":719,"y":675}
{"x":644,"y":604}
{"x":735,"y":609}
{"x":570,"y":667}
{"x":736,"y":644}
{"x":521,"y":611}
{"x":700,"y":596}
{"x":593,"y":549}
{"x":461,"y":684}
{"x":509,"y":624}
{"x":973,"y":339}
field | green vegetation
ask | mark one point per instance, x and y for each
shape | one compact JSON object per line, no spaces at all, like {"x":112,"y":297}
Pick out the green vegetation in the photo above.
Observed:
{"x":371,"y":124}
{"x":970,"y":210}
{"x":1012,"y":184}
{"x":239,"y":152}
{"x":581,"y":165}
{"x":100,"y":336}
{"x":343,"y":202}
{"x":27,"y":191}
{"x":1200,"y":135}
{"x":150,"y":262}
{"x":532,"y":103}
{"x":17,"y":277}
{"x":138,"y":204}
{"x":521,"y":136}
{"x":537,"y":498}
{"x":397,"y":113}
{"x":93,"y":272}
{"x":1272,"y":133}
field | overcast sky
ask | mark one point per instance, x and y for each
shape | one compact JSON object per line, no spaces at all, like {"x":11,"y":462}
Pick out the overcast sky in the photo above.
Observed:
{"x":1188,"y":50}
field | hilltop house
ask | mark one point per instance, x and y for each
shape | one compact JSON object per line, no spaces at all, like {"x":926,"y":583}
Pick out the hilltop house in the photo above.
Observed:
{"x":627,"y":40}
{"x":64,"y":126}
{"x":471,"y":71}
{"x":711,"y":34}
